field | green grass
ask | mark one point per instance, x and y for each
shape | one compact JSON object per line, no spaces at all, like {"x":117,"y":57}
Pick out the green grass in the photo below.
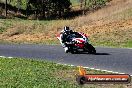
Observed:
{"x":12,"y":23}
{"x":128,"y":44}
{"x":125,"y":44}
{"x":20,"y":73}
{"x":4,"y":25}
{"x":2,"y":29}
{"x":28,"y":73}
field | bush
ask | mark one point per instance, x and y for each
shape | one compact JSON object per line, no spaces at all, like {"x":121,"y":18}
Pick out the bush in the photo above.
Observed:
{"x":95,"y":4}
{"x":49,"y":8}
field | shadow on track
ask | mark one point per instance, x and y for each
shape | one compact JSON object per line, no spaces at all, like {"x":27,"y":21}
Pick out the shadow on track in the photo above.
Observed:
{"x":93,"y":54}
{"x":102,"y":54}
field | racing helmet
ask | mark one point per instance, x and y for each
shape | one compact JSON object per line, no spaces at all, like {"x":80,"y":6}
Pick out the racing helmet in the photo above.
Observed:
{"x":67,"y":30}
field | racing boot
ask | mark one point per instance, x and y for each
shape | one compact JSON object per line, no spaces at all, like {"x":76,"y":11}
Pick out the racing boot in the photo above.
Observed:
{"x":66,"y":49}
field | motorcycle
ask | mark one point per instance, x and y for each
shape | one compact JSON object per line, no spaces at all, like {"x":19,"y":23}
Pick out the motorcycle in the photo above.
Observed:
{"x":78,"y":43}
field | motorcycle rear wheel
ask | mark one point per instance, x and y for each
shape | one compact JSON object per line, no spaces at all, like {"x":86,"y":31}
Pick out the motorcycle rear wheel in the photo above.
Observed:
{"x":91,"y":49}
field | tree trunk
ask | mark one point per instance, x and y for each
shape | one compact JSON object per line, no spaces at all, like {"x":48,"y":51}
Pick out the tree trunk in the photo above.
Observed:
{"x":18,"y":5}
{"x":85,"y":7}
{"x":5,"y":7}
{"x":81,"y":4}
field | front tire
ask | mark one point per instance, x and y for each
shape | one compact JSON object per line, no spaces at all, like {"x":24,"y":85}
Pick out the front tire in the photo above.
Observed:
{"x":73,"y":51}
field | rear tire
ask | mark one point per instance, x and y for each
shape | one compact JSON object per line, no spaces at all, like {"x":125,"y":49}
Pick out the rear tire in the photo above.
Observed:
{"x":91,"y":49}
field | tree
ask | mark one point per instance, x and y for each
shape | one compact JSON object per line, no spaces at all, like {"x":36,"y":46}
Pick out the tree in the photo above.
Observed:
{"x":49,"y":8}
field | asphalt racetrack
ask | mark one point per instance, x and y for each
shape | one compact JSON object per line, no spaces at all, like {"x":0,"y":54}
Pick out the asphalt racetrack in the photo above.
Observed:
{"x":112,"y":59}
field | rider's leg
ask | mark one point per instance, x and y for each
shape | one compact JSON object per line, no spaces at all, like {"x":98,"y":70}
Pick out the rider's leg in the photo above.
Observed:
{"x":65,"y":47}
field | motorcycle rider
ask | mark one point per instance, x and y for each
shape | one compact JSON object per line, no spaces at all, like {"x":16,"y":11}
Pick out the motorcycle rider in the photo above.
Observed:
{"x":69,"y":39}
{"x":66,"y":35}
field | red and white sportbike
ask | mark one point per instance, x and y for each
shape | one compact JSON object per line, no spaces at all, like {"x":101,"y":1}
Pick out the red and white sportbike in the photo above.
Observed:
{"x":79,"y":43}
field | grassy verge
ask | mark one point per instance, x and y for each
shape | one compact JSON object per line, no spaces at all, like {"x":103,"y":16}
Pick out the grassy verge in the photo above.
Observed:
{"x":44,"y":32}
{"x":4,"y":25}
{"x":31,"y":31}
{"x":22,"y":73}
{"x":128,"y":44}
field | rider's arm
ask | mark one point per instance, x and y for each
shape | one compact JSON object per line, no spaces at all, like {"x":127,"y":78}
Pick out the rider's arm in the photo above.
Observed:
{"x":63,"y":38}
{"x":76,"y":33}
